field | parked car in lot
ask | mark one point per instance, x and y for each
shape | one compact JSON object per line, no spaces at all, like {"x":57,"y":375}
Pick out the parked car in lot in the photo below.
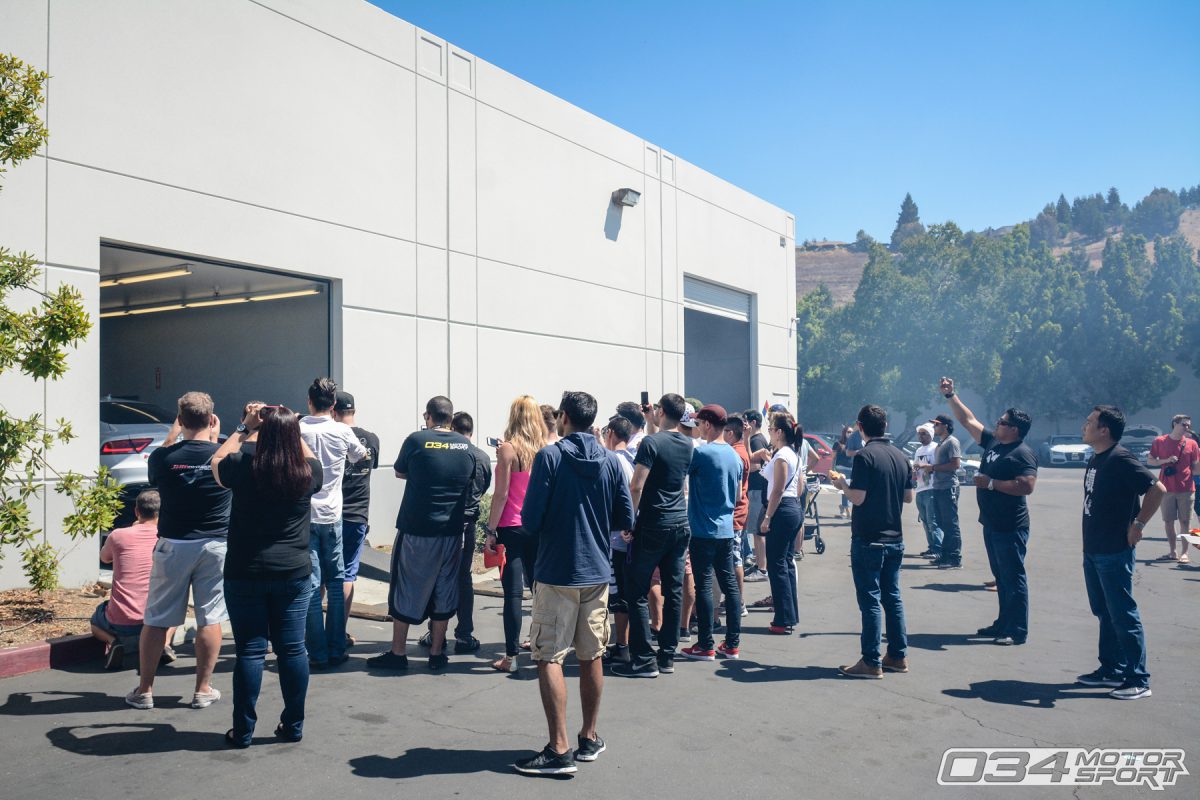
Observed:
{"x":1138,"y":438}
{"x":1064,"y":450}
{"x":130,"y":431}
{"x":823,"y":449}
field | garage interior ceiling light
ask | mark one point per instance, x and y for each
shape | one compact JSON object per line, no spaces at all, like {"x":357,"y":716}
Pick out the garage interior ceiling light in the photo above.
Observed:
{"x":147,"y":275}
{"x":211,"y":301}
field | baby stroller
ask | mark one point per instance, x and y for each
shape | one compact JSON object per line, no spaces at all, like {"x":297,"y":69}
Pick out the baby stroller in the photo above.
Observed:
{"x":812,"y":512}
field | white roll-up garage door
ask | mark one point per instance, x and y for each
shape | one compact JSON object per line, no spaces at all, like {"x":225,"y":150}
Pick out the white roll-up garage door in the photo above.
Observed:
{"x":714,"y":299}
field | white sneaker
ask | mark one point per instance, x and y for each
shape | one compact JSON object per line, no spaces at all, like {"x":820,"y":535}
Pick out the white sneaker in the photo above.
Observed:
{"x":205,"y":699}
{"x":745,"y":611}
{"x":1130,"y":692}
{"x":140,"y":700}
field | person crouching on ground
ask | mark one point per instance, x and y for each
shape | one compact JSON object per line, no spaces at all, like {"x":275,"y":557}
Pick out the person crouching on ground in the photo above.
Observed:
{"x":131,"y":553}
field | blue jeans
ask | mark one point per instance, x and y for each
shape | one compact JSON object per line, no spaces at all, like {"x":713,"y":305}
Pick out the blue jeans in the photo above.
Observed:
{"x":262,"y":610}
{"x":781,"y":561}
{"x":876,"y":569}
{"x":927,"y":512}
{"x":326,"y":632}
{"x":1006,"y":557}
{"x":945,"y":511}
{"x":709,"y":556}
{"x":1109,"y":581}
{"x":664,"y":549}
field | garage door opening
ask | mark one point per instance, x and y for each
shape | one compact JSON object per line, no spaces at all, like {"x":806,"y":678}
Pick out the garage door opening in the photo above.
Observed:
{"x":718,"y":349}
{"x":171,"y":324}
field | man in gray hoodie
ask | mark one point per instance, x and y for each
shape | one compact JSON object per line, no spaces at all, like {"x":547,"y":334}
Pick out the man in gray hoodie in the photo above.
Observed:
{"x":577,"y":495}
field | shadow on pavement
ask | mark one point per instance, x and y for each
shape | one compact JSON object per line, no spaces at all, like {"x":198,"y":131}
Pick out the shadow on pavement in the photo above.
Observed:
{"x":27,"y":704}
{"x":952,"y":587}
{"x":123,"y":739}
{"x":745,"y":671}
{"x":434,"y":761}
{"x":940,"y":641}
{"x":1028,"y":694}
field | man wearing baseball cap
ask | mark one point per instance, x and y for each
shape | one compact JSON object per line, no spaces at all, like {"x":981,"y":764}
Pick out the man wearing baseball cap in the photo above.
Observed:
{"x":356,"y":498}
{"x":944,"y":472}
{"x":714,"y":488}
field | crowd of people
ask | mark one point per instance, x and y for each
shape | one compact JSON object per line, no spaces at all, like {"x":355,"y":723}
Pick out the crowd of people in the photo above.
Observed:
{"x":613,"y":527}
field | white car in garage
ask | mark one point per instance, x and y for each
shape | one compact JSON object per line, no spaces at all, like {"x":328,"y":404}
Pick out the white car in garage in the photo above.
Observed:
{"x":130,"y":431}
{"x":1066,"y":450}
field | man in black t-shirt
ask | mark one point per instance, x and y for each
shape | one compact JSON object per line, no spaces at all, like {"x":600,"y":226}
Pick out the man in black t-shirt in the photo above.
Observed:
{"x":356,"y":497}
{"x":756,"y":494}
{"x":438,"y":468}
{"x":193,"y":526}
{"x":1007,"y":475}
{"x":660,"y":540}
{"x":1112,"y":527}
{"x":879,"y":486}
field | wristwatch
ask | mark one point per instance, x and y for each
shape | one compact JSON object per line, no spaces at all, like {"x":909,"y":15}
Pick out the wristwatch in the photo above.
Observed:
{"x":948,"y":395}
{"x":241,"y":428}
{"x":1139,"y":524}
{"x":991,"y":484}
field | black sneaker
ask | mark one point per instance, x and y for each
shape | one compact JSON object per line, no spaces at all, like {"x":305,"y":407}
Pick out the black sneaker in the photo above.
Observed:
{"x":547,"y":762}
{"x":685,"y":635}
{"x":990,"y":630}
{"x":465,"y":644}
{"x":438,"y":662}
{"x":948,"y":564}
{"x":617,"y":655}
{"x":168,"y":655}
{"x":629,"y":671}
{"x":388,"y":660}
{"x":589,"y":749}
{"x":1100,"y":678}
{"x":666,"y":663}
{"x":116,"y":656}
{"x":426,"y":640}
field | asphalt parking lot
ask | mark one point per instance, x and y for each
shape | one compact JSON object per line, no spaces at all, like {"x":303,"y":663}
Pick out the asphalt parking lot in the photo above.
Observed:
{"x":778,"y":723}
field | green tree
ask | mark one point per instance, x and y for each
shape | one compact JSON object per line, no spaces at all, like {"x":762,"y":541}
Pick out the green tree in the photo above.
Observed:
{"x":1087,"y":216}
{"x":1115,"y":212}
{"x":1062,"y":210}
{"x":34,"y":343}
{"x":1156,"y":214}
{"x":908,"y":224}
{"x":1045,"y":228}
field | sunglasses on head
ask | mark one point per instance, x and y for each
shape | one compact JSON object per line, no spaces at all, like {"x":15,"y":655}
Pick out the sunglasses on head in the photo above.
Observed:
{"x":267,"y":411}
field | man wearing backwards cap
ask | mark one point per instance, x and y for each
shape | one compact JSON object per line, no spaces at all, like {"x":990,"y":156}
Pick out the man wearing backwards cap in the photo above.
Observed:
{"x":944,"y":472}
{"x":714,"y":488}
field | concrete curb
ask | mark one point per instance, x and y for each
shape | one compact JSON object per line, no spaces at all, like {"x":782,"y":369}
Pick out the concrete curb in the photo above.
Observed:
{"x":50,"y":654}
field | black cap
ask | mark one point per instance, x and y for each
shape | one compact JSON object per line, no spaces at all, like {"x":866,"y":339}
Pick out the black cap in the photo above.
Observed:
{"x":635,"y":417}
{"x":343,"y":401}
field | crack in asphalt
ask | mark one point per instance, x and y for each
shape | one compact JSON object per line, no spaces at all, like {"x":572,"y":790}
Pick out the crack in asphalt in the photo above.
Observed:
{"x":976,"y":720}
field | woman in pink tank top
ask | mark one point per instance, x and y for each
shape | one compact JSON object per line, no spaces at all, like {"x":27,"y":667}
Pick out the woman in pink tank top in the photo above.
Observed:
{"x":524,"y":436}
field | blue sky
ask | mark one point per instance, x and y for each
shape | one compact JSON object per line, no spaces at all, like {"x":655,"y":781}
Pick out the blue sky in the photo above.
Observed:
{"x":833,"y":110}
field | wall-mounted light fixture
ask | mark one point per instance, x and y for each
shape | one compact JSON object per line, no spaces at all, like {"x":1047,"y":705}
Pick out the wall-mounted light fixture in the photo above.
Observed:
{"x":225,"y":300}
{"x":147,"y":275}
{"x":626,"y":197}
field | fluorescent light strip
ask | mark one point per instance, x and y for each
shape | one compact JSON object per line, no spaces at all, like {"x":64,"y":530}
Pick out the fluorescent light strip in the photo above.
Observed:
{"x":215,"y":301}
{"x":142,"y":277}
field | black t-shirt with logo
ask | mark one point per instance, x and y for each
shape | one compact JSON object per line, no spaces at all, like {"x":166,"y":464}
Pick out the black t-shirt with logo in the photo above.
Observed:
{"x":1112,"y":489}
{"x":883,"y":472}
{"x":1004,"y":462}
{"x":268,"y":536}
{"x":194,"y":506}
{"x":479,"y":484}
{"x":356,"y":480}
{"x":439,"y":468}
{"x":668,"y":455}
{"x":757,"y":482}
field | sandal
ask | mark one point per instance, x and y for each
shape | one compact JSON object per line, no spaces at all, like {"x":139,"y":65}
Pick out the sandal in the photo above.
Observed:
{"x":766,"y":602}
{"x":1167,"y":557}
{"x":507,"y":664}
{"x":1183,"y":559}
{"x":281,"y":733}
{"x":526,"y":646}
{"x":233,"y":742}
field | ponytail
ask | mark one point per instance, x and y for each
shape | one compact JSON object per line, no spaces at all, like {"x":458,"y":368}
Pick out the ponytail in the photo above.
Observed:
{"x":793,"y":432}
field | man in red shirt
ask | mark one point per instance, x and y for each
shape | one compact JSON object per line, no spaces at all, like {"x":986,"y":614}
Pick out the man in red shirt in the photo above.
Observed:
{"x":735,"y":432}
{"x":1178,"y":455}
{"x":131,"y":553}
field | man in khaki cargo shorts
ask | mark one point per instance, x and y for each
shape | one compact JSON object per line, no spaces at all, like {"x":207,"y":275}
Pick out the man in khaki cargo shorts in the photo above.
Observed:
{"x":577,"y":495}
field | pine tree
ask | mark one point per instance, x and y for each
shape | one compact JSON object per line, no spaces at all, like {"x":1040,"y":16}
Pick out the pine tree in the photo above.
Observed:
{"x":908,"y":224}
{"x":1062,"y":210}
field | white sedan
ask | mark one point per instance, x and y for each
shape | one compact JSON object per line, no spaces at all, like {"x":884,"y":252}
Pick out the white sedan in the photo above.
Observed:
{"x":1066,"y":451}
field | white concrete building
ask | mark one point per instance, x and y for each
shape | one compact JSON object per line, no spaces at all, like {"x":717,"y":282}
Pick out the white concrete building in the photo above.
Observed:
{"x":452,"y":224}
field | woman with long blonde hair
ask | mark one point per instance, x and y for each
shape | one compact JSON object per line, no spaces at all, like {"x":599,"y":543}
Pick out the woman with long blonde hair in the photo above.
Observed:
{"x":524,"y":436}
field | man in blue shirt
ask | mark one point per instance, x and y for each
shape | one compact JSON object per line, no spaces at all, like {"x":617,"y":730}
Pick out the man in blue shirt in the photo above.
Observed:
{"x":714,"y":486}
{"x":577,"y":496}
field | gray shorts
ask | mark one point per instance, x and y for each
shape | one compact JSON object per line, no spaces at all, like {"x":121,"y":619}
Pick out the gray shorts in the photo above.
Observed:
{"x":179,"y":566}
{"x":424,"y":578}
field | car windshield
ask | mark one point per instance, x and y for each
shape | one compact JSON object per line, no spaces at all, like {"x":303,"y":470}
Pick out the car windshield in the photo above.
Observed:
{"x":1138,"y":433}
{"x":1066,"y":440}
{"x":129,"y":412}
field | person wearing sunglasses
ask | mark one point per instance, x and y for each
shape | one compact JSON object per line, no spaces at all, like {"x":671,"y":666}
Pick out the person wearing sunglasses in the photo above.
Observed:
{"x":1178,"y":459}
{"x":1007,"y":475}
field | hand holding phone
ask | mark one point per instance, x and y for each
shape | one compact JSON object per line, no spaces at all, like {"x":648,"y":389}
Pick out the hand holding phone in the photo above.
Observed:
{"x":493,"y":441}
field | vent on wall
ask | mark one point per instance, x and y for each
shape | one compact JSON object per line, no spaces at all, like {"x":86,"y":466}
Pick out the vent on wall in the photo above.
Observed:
{"x":712,"y":298}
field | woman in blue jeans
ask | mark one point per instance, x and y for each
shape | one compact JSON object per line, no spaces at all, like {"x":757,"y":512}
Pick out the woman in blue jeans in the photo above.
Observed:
{"x":267,"y":567}
{"x":785,"y":485}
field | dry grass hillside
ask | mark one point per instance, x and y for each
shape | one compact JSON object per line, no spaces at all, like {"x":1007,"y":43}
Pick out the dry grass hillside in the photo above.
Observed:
{"x":1189,"y":226}
{"x":840,"y":270}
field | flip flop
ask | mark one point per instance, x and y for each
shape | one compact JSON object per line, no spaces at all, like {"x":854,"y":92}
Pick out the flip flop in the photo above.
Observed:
{"x":1167,"y":557}
{"x":766,"y":602}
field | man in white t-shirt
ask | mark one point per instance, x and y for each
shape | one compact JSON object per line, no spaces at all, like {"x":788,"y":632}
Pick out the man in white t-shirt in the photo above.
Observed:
{"x":333,"y":443}
{"x":926,"y":509}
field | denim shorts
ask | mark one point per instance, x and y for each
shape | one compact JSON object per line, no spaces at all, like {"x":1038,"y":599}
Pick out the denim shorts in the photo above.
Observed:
{"x":100,"y":620}
{"x":354,"y":536}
